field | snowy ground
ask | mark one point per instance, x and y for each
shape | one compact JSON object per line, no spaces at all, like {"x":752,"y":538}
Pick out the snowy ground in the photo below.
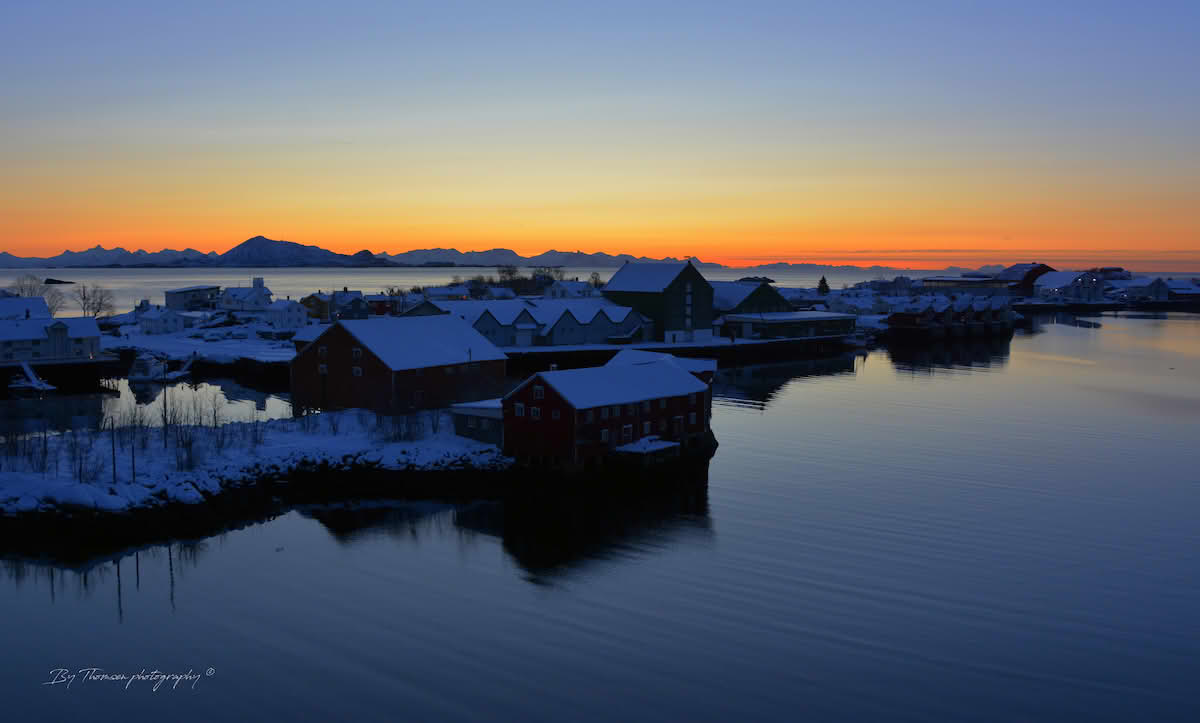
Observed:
{"x":76,"y":469}
{"x":180,"y":345}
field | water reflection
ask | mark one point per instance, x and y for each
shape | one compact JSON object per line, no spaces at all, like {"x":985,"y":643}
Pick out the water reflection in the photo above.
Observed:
{"x":155,"y":570}
{"x":982,"y":353}
{"x":230,"y":401}
{"x":759,"y":384}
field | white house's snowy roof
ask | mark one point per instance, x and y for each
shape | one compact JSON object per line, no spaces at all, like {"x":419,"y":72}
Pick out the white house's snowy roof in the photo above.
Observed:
{"x":22,"y":329}
{"x":15,"y":307}
{"x":637,"y":357}
{"x":728,"y":294}
{"x":246,"y":293}
{"x":1057,"y":279}
{"x":283,"y":304}
{"x":620,"y":384}
{"x":157,"y":312}
{"x":649,"y":277}
{"x":416,"y":342}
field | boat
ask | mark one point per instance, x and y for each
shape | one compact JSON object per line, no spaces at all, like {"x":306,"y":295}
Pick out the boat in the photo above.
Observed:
{"x":147,"y":368}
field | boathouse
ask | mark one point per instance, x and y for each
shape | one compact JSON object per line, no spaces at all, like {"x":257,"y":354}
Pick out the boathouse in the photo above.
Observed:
{"x":396,"y":364}
{"x":581,"y":417}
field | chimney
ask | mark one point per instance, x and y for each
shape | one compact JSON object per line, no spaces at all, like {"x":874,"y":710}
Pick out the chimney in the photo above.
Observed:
{"x":345,"y":289}
{"x":258,"y":282}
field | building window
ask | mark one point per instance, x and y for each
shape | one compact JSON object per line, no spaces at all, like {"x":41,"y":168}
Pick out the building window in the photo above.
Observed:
{"x":662,"y":403}
{"x":322,"y":351}
{"x":554,"y":414}
{"x":630,"y":410}
{"x":616,"y":411}
{"x":470,"y":422}
{"x":603,"y":412}
{"x":589,"y":416}
{"x":688,"y":287}
{"x":535,"y":413}
{"x":692,"y":399}
{"x":627,"y":433}
{"x":691,"y":418}
{"x":356,"y":371}
{"x":645,"y":407}
{"x":322,"y":369}
{"x":603,"y":435}
{"x":539,"y":392}
{"x":662,"y":424}
{"x":356,"y":352}
{"x":519,"y":409}
{"x":645,"y":428}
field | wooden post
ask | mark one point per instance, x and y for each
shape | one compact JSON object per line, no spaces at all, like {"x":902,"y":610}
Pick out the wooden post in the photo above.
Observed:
{"x":112,"y":426}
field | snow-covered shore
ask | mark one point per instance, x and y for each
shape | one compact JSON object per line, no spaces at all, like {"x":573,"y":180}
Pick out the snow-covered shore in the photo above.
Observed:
{"x":74,"y":471}
{"x":184,"y":344}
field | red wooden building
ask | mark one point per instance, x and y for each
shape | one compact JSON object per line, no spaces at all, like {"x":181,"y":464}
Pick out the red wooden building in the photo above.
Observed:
{"x":579,"y":417}
{"x":397,"y":364}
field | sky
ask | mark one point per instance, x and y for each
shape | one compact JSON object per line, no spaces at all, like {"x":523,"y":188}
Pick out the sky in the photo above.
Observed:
{"x":911,"y":134}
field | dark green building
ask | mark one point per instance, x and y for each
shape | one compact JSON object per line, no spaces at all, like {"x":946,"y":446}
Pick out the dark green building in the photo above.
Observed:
{"x":674,"y":295}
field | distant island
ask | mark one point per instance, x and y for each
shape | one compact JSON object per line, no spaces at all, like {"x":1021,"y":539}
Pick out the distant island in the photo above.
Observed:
{"x":260,"y":251}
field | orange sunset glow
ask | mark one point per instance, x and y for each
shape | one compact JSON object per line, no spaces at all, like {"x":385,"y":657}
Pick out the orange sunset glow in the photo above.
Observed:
{"x":778,"y":150}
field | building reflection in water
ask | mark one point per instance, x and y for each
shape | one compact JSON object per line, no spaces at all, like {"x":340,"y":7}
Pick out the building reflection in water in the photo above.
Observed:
{"x":759,"y":384}
{"x":233,"y":401}
{"x":957,"y":355}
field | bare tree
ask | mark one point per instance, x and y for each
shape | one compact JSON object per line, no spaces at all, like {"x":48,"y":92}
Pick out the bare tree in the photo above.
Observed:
{"x":93,"y":299}
{"x":507,"y":273}
{"x":594,"y":280}
{"x":30,"y":285}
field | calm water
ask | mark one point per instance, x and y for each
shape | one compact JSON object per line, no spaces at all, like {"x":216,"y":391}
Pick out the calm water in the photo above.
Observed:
{"x":985,"y":532}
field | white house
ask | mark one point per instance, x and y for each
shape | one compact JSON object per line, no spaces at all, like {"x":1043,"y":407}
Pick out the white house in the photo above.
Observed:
{"x":159,"y":320}
{"x":48,"y":340}
{"x":570,"y":290}
{"x":255,"y":297}
{"x":286,"y":314}
{"x":24,"y":307}
{"x":1070,"y":286}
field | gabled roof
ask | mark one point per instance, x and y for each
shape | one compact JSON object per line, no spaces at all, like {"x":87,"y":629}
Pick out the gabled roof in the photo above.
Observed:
{"x":637,"y":357}
{"x":186,"y":289}
{"x":22,"y":329}
{"x":645,"y":278}
{"x":416,"y":342}
{"x":546,"y":312}
{"x":1057,"y":279}
{"x":310,"y":332}
{"x":728,"y":294}
{"x":14,"y":307}
{"x":246,"y":293}
{"x":619,"y":384}
{"x":1017,"y":272}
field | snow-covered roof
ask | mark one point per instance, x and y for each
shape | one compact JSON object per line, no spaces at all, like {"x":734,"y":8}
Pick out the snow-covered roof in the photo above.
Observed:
{"x":545,"y":312}
{"x":1057,"y":279}
{"x":246,"y":293}
{"x":1185,"y":285}
{"x":22,"y":329}
{"x":157,"y":312}
{"x":16,"y":307}
{"x":282,"y":304}
{"x":501,"y":292}
{"x":728,"y":294}
{"x":309,"y":332}
{"x":620,"y":384}
{"x":416,"y":342}
{"x":648,"y":277}
{"x":637,"y":357}
{"x":646,"y":445}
